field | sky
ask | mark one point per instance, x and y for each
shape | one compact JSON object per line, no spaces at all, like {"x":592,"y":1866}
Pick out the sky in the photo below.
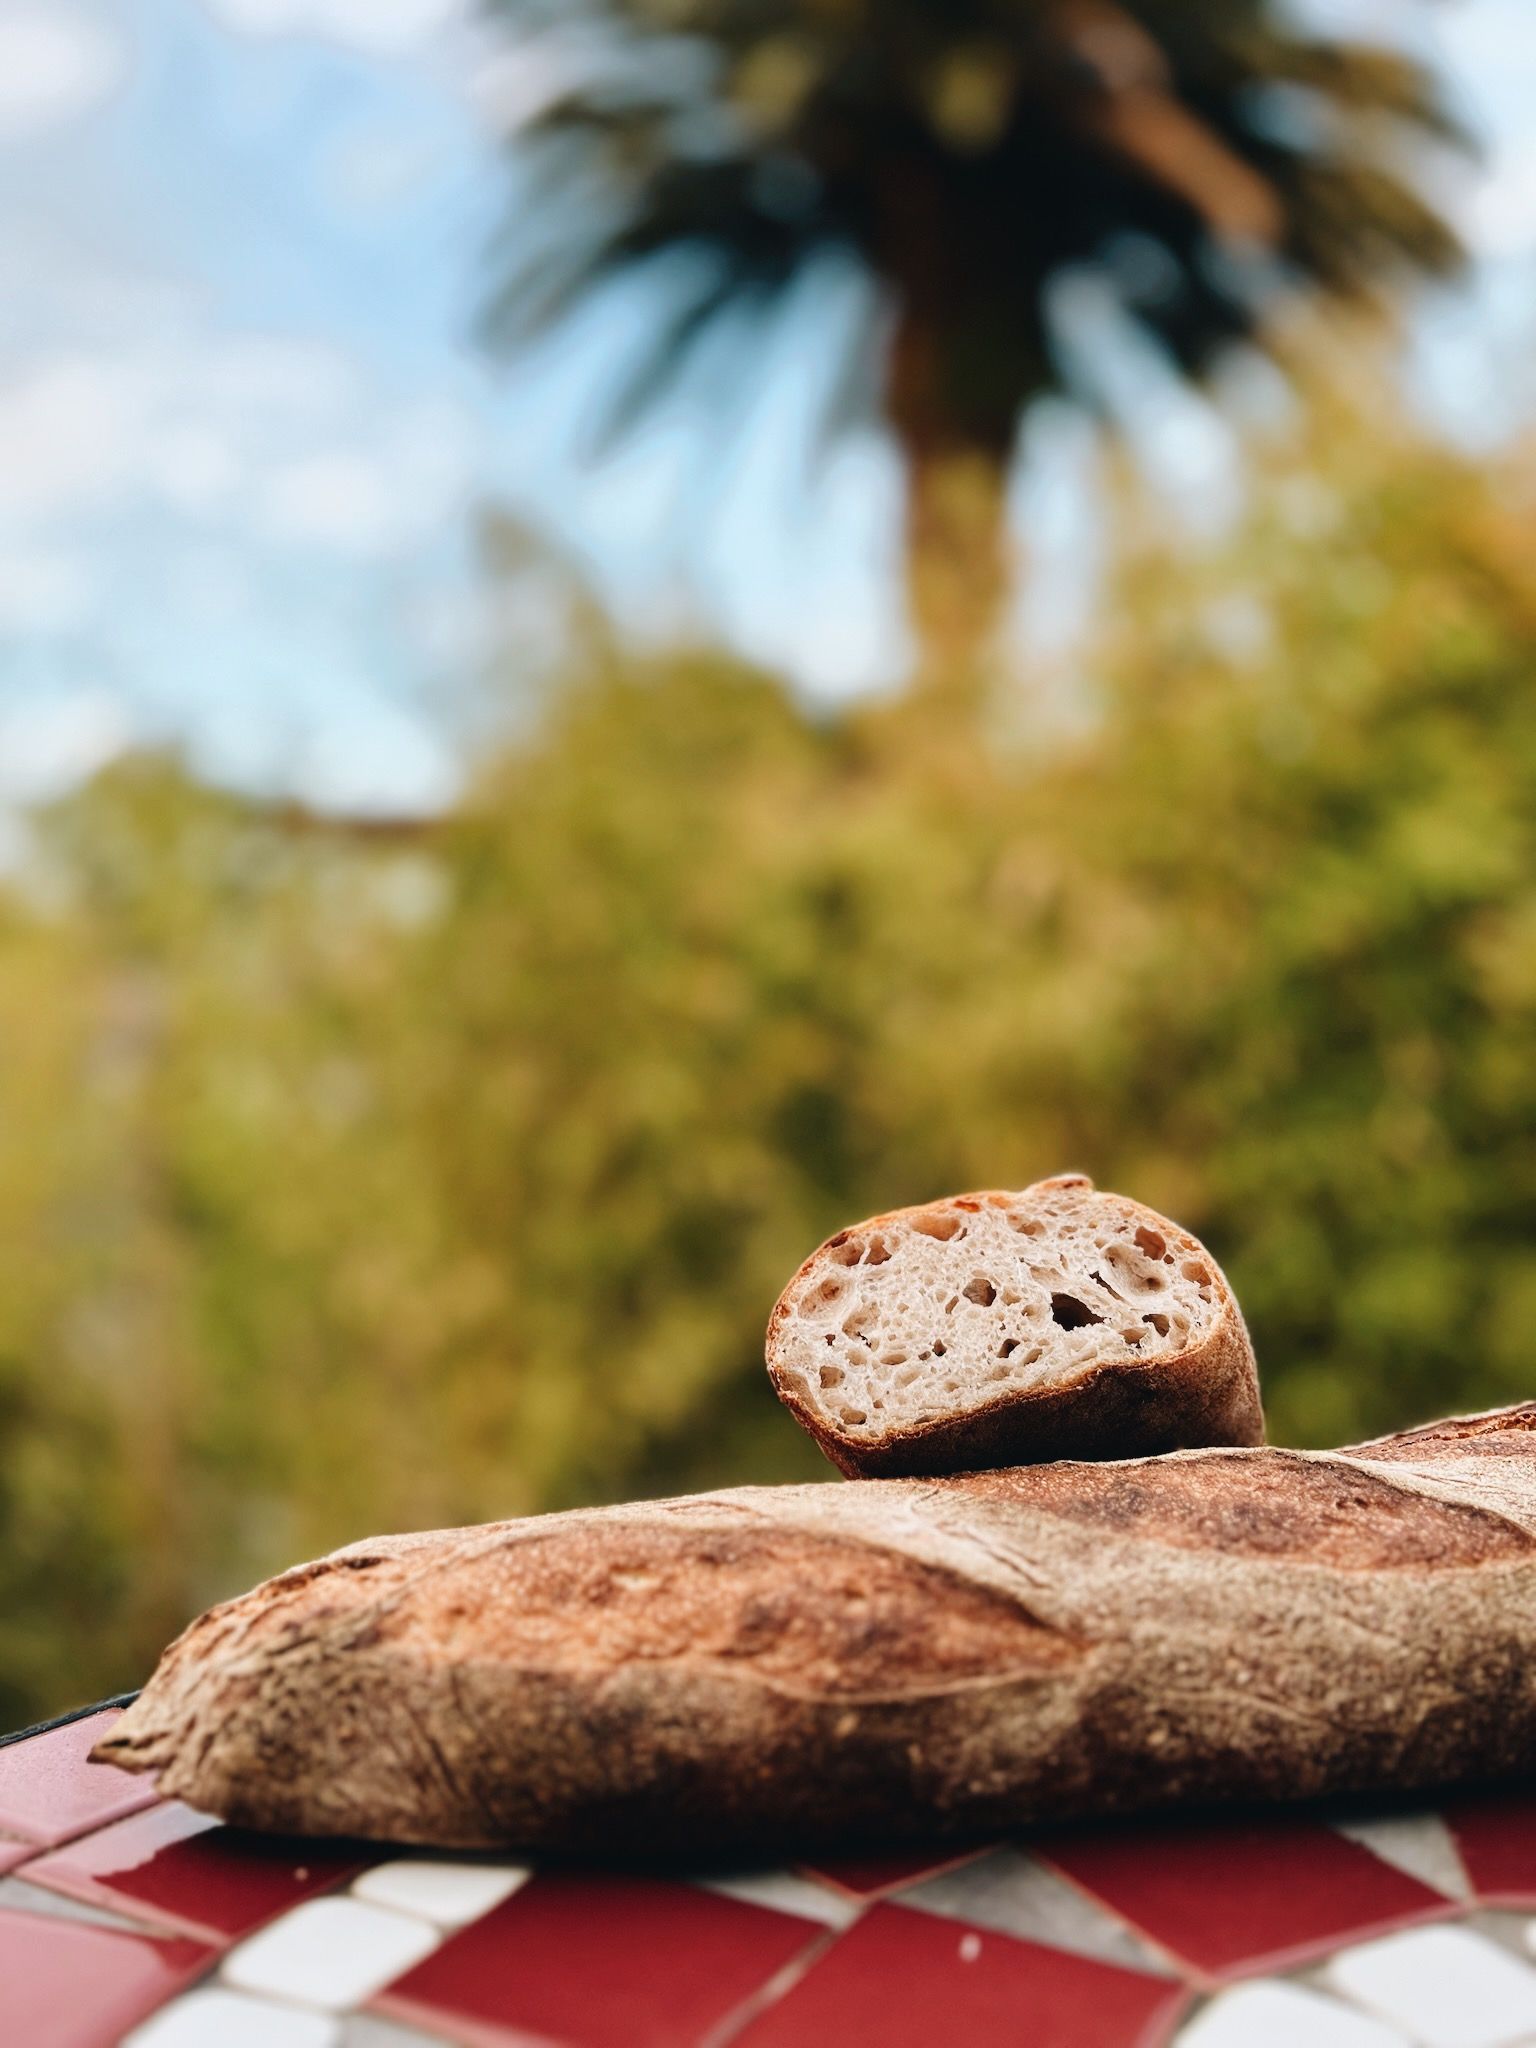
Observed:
{"x":248,"y":441}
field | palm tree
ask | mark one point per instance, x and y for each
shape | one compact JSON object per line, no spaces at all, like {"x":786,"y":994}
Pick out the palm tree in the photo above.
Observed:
{"x":1210,"y":158}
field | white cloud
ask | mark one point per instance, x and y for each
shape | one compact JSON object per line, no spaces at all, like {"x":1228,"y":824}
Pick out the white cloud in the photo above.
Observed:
{"x":1367,"y":21}
{"x":54,"y":64}
{"x":254,"y":374}
{"x":193,"y":466}
{"x":380,"y":498}
{"x":68,"y":429}
{"x":277,"y":436}
{"x":385,"y":27}
{"x":380,"y":762}
{"x":49,"y":744}
{"x":338,"y":499}
{"x":43,"y":592}
{"x":376,"y":170}
{"x":515,"y":82}
{"x":1498,"y":217}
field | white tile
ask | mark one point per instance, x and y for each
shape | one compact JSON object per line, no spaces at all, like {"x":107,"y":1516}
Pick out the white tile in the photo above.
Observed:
{"x":1418,"y":1843}
{"x":1446,"y":1986}
{"x":785,"y":1893}
{"x":1011,"y":1893}
{"x":229,"y":2020}
{"x":446,"y":1893}
{"x":333,"y":1953}
{"x":367,"y":2030}
{"x":1281,"y":2016}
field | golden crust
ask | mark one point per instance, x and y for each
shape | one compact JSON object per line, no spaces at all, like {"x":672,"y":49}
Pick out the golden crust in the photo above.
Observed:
{"x":777,"y":1668}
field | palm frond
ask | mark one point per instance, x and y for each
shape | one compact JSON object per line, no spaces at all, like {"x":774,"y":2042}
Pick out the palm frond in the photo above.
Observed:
{"x":966,"y":152}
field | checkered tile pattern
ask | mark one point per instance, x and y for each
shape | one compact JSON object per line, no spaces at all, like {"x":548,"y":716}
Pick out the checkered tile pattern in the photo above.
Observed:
{"x":125,"y":1918}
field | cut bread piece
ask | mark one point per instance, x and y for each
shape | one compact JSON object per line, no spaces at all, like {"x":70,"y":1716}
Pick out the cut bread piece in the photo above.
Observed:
{"x":1007,"y":1329}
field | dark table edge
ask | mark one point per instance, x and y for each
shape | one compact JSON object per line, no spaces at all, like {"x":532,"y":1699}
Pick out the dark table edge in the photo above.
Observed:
{"x":121,"y":1699}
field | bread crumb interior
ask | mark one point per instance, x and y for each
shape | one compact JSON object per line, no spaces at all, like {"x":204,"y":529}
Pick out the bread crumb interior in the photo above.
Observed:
{"x":938,"y":1312}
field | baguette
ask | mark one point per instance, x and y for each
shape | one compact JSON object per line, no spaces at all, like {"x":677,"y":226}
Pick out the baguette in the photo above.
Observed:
{"x":1005,"y":1329}
{"x":777,"y":1669}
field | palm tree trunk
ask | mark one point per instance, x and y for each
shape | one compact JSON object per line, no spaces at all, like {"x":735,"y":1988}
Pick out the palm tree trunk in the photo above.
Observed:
{"x":957,"y":560}
{"x":957,"y":553}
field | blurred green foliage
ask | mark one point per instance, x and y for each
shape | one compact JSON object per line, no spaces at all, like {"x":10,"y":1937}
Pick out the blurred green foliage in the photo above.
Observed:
{"x":362,"y":1179}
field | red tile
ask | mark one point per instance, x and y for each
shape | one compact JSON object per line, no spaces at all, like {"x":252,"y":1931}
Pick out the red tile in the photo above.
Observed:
{"x":868,"y":1877}
{"x":67,"y":1986}
{"x":48,"y":1792}
{"x":1496,"y":1834}
{"x":598,"y":1960}
{"x":1229,"y":1898}
{"x":900,"y":1978}
{"x":184,"y":1870}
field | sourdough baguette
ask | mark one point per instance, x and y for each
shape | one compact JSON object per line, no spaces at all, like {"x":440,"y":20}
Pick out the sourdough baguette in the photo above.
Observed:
{"x":1005,"y":1329}
{"x":780,"y":1668}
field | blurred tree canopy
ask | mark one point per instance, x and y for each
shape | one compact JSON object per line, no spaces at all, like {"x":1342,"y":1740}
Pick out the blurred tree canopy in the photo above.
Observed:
{"x":363,"y":1179}
{"x":1208,"y":159}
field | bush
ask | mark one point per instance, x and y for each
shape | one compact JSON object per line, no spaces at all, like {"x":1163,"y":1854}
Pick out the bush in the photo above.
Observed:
{"x":361,"y":1179}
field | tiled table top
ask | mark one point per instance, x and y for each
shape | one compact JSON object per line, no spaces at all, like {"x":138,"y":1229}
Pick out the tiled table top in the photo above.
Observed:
{"x":125,"y":1918}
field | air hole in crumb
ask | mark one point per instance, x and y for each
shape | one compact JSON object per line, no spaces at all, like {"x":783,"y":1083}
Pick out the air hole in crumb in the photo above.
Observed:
{"x":1026,"y":1226}
{"x":879,"y":1251}
{"x":1133,"y":1337}
{"x":1152,"y":1242}
{"x":1010,"y":1297}
{"x":1008,"y":1347}
{"x":1193,"y":1270}
{"x":939,"y":1347}
{"x":980,"y":1290}
{"x":972,"y":1208}
{"x":1158,"y":1323}
{"x":1071,"y":1313}
{"x":853,"y":1415}
{"x":1152,"y":1282}
{"x":831,"y":1375}
{"x":846,"y":1251}
{"x":952,"y":1304}
{"x":1108,"y":1288}
{"x":830,"y":1289}
{"x":1031,"y":1356}
{"x":937,"y":1223}
{"x":893,"y":1358}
